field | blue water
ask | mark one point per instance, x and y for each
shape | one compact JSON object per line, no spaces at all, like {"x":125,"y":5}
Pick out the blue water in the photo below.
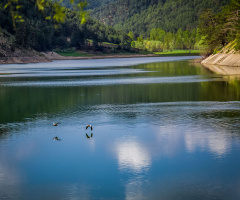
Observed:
{"x":162,"y":129}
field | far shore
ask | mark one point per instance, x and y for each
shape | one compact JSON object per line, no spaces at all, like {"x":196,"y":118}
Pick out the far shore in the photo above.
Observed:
{"x":55,"y":56}
{"x":51,"y":56}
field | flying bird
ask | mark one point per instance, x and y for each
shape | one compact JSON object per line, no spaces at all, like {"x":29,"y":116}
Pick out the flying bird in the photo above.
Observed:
{"x":89,"y":126}
{"x":56,"y":138}
{"x":55,"y":124}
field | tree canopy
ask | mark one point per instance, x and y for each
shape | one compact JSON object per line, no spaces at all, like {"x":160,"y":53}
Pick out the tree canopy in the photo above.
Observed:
{"x":141,"y":16}
{"x":219,"y":29}
{"x":44,"y":31}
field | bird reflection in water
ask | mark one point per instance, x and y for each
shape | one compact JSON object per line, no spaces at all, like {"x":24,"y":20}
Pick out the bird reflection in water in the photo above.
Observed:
{"x":89,"y":137}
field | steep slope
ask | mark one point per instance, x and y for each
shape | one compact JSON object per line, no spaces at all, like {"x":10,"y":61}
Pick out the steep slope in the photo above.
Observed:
{"x":228,"y":56}
{"x":140,"y":16}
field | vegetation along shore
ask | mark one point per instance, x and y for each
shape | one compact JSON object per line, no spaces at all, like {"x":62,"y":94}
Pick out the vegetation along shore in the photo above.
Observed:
{"x":101,"y":30}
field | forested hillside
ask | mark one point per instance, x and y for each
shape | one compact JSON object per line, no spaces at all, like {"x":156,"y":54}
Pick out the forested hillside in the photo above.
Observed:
{"x":222,"y":28}
{"x":153,"y":25}
{"x":140,"y":16}
{"x":35,"y":30}
{"x":91,"y":4}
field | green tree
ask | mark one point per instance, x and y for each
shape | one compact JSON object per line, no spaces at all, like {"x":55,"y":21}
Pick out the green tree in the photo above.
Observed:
{"x":58,"y":14}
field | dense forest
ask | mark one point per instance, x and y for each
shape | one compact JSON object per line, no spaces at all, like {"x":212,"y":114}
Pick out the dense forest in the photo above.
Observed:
{"x":35,"y":29}
{"x":157,"y":25}
{"x":152,"y":25}
{"x":222,"y":28}
{"x":141,"y":16}
{"x":91,"y":4}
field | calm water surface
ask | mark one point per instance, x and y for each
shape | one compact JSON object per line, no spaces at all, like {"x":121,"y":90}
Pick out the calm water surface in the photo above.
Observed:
{"x":163,"y":128}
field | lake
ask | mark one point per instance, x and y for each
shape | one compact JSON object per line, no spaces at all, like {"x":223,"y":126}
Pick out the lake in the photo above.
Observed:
{"x":163,"y":128}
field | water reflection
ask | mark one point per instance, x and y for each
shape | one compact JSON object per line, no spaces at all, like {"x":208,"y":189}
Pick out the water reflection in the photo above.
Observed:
{"x":134,"y":188}
{"x":75,"y":191}
{"x":39,"y":69}
{"x":214,"y":142}
{"x":89,"y":137}
{"x":169,"y":132}
{"x":10,"y":181}
{"x":132,"y":156}
{"x":225,"y":70}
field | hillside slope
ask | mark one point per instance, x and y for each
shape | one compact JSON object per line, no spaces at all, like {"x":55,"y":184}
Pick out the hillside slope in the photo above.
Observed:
{"x":141,"y":16}
{"x":91,"y":4}
{"x":9,"y":53}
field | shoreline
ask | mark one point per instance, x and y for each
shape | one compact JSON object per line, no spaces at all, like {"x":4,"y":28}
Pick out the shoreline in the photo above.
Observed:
{"x":55,"y":56}
{"x":42,"y":57}
{"x":51,"y":56}
{"x":223,"y":63}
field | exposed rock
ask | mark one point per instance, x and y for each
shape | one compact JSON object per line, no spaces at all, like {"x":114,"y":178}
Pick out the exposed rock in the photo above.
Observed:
{"x":227,"y":61}
{"x":223,"y":59}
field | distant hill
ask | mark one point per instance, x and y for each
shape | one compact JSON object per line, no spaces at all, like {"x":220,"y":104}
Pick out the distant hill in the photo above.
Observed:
{"x":140,"y":16}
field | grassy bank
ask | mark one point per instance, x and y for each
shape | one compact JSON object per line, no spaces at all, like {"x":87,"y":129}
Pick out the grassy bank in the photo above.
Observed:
{"x":73,"y":53}
{"x":179,"y":53}
{"x":161,"y":54}
{"x":91,"y":54}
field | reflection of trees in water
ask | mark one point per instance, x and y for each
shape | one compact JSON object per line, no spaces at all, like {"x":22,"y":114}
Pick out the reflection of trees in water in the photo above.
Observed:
{"x":23,"y":102}
{"x":18,"y":103}
{"x":220,"y":90}
{"x":3,"y":133}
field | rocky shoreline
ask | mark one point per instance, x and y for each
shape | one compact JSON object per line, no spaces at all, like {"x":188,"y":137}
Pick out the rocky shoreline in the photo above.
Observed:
{"x":223,"y":59}
{"x":226,"y":62}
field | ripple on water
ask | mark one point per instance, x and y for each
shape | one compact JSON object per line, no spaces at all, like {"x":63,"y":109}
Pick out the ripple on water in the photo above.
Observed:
{"x":109,"y":81}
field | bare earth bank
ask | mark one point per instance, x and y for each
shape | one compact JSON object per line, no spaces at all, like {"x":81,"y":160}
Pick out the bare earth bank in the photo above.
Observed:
{"x":226,"y":62}
{"x":36,"y":57}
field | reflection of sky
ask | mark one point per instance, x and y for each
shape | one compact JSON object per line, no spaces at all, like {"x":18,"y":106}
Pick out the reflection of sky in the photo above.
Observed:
{"x":83,"y":64}
{"x":172,"y":139}
{"x":134,"y":188}
{"x":132,"y":156}
{"x":9,"y":181}
{"x":135,"y":158}
{"x":148,"y":155}
{"x":217,"y":144}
